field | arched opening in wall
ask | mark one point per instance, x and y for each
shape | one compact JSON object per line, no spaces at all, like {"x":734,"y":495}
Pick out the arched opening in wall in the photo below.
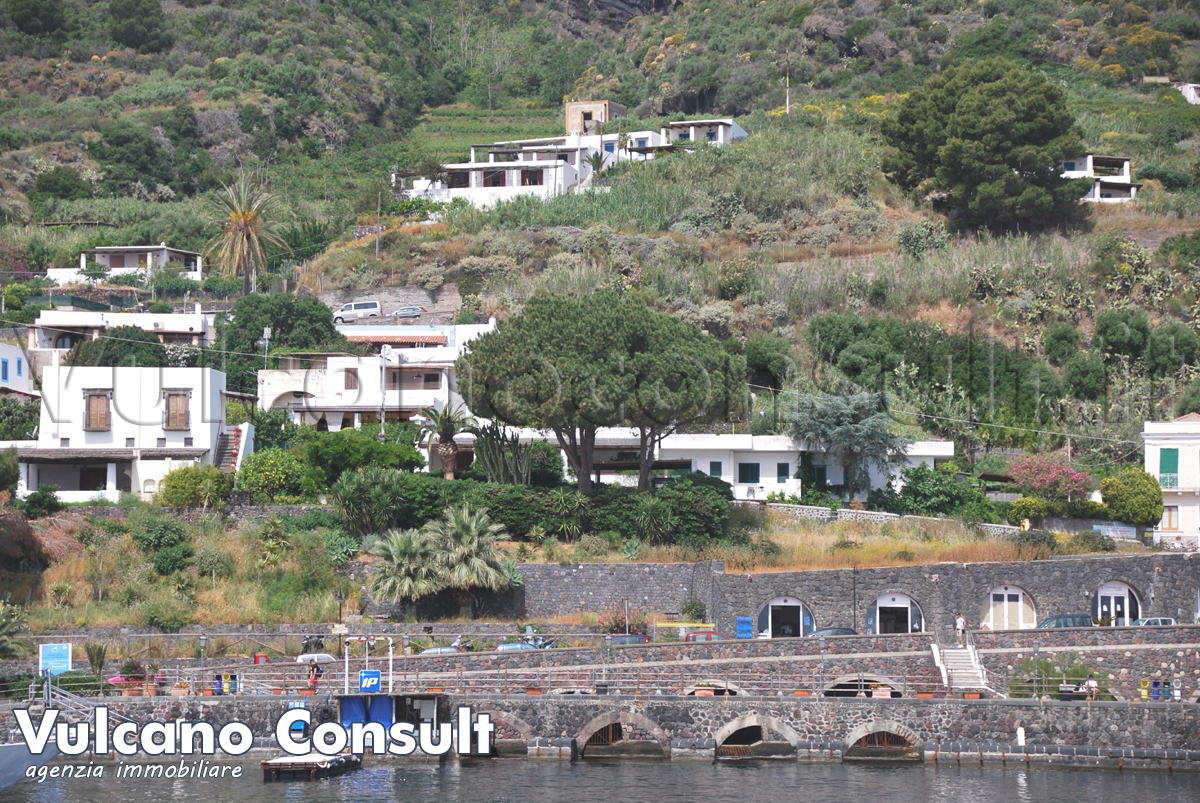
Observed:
{"x":712,"y":688}
{"x":882,"y":745}
{"x":753,"y":737}
{"x":1008,"y":608}
{"x":621,"y":740}
{"x":866,"y":686}
{"x":149,"y":487}
{"x":895,"y":613}
{"x":1116,"y":605}
{"x":785,"y":617}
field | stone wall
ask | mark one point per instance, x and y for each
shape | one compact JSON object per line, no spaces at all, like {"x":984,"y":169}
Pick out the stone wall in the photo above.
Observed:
{"x":554,"y":590}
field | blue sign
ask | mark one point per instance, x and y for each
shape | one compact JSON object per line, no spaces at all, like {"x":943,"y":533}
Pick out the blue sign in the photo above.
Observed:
{"x":369,"y":681}
{"x":54,"y":658}
{"x":296,"y":726}
{"x":745,"y":627}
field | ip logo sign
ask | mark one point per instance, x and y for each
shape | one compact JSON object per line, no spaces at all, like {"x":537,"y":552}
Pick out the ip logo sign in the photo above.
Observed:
{"x":369,"y":681}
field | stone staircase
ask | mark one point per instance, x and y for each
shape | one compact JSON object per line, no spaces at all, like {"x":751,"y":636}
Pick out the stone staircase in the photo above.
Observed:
{"x":963,"y":672}
{"x":226,"y":453}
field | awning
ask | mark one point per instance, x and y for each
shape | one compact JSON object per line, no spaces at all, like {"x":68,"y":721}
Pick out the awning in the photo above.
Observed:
{"x":397,"y":337}
{"x":634,"y":465}
{"x":69,"y":455}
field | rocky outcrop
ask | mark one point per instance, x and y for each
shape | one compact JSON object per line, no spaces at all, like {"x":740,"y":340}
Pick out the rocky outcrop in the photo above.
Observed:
{"x":820,"y":27}
{"x":614,"y":14}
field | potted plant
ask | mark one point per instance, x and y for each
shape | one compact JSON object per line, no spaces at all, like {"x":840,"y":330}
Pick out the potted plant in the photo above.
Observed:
{"x":151,"y":681}
{"x":131,"y":688}
{"x":206,"y":689}
{"x":533,"y":690}
{"x":924,"y":695}
{"x":133,"y":677}
{"x":972,"y":695}
{"x":704,"y":691}
{"x":181,"y":689}
{"x":801,"y":693}
{"x":435,"y":689}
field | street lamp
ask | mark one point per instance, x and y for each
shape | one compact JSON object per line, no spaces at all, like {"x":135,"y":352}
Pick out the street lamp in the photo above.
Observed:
{"x":1037,"y":646}
{"x":203,"y":646}
{"x":340,"y":598}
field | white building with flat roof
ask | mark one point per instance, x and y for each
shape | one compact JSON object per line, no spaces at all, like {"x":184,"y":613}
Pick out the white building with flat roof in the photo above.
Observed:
{"x":122,"y":260}
{"x":1112,"y":177}
{"x":1173,"y":456}
{"x":60,"y":330}
{"x":16,"y":374}
{"x":104,"y":431}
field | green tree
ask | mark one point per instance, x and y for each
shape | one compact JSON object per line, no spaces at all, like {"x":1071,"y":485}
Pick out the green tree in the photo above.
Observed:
{"x":18,"y":418}
{"x":991,"y":136}
{"x":139,"y":24}
{"x":463,"y":542}
{"x":446,"y":423}
{"x":1134,"y":497}
{"x":10,"y":469}
{"x":63,"y":182}
{"x":1189,"y":402}
{"x":14,"y":632}
{"x":1122,"y":332}
{"x":1085,"y":375}
{"x":242,"y":211}
{"x":332,"y":453}
{"x":573,"y":364}
{"x":122,"y":346}
{"x":1170,"y":347}
{"x":768,"y":358}
{"x":37,"y":17}
{"x":1060,"y":342}
{"x":855,"y":430}
{"x":407,"y":570}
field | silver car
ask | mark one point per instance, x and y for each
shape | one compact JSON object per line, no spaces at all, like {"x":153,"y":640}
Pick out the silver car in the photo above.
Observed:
{"x":356,"y":310}
{"x":410,"y":312}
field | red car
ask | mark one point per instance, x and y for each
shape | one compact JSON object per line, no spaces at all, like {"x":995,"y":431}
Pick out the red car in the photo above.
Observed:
{"x":706,"y":635}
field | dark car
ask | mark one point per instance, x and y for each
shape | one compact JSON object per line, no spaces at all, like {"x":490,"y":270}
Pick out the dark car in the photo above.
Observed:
{"x":1067,"y":620}
{"x":834,"y":631}
{"x":622,"y":640}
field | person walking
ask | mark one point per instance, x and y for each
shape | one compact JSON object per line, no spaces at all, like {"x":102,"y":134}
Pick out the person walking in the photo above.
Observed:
{"x":314,"y":674}
{"x":960,"y":625}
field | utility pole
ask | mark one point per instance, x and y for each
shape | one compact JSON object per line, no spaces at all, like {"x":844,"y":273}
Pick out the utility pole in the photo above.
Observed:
{"x":378,"y":206}
{"x":787,"y":108}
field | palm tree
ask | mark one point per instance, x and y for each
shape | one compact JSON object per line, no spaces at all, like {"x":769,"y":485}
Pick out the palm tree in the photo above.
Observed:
{"x":464,"y":549}
{"x":14,"y":631}
{"x":447,"y":423}
{"x":408,"y":570}
{"x":595,"y":161}
{"x":242,"y":210}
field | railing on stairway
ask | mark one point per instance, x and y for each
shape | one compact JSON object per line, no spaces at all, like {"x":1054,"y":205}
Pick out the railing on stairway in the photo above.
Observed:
{"x":984,"y":675}
{"x":939,"y":661}
{"x":57,"y":697}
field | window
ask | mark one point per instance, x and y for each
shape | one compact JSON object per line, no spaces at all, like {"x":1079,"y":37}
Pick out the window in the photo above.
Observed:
{"x":493,"y":178}
{"x":64,"y":443}
{"x":1168,"y":468}
{"x":19,"y":367}
{"x":433,"y":381}
{"x":3,"y":370}
{"x":684,"y":136}
{"x":176,"y":415}
{"x":161,"y":443}
{"x":748,"y":473}
{"x":531,"y":178}
{"x":391,"y":380}
{"x":610,"y":147}
{"x":459,"y":181}
{"x":188,"y":441}
{"x":587,"y":116}
{"x":96,"y":410}
{"x":783,"y":472}
{"x":116,"y":261}
{"x":129,"y":443}
{"x":1069,"y":166}
{"x":351,"y":379}
{"x":641,"y":143}
{"x":820,"y":476}
{"x":714,"y":469}
{"x":1170,"y":519}
{"x":712,"y":136}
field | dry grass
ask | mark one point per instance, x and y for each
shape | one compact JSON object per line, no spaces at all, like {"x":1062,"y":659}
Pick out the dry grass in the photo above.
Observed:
{"x":1133,"y":217}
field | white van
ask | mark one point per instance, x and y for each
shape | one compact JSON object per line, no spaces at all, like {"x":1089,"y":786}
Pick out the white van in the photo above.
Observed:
{"x":357,"y":309}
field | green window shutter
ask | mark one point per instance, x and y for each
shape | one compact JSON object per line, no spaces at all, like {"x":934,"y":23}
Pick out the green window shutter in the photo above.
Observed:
{"x":748,"y":473}
{"x":714,"y":469}
{"x":783,"y":472}
{"x":1168,"y":461}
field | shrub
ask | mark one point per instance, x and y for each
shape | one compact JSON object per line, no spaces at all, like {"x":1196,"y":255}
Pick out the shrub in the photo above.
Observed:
{"x":1027,"y":508}
{"x":220,"y":286}
{"x":270,"y":474}
{"x":161,"y":308}
{"x":1134,"y":497}
{"x":1122,"y":332}
{"x":1085,"y":376}
{"x":213,"y":562}
{"x":169,"y":560}
{"x":1060,"y":342}
{"x":175,"y":286}
{"x":1170,"y":347}
{"x":79,"y":681}
{"x":1173,"y":180}
{"x":42,"y":502}
{"x":166,"y":618}
{"x":692,"y":611}
{"x":193,"y":486}
{"x":613,"y":620}
{"x":1091,"y":541}
{"x":922,"y":236}
{"x":159,"y":532}
{"x":1048,"y":476}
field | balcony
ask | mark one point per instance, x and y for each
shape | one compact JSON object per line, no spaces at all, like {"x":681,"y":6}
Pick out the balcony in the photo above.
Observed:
{"x":1168,"y":480}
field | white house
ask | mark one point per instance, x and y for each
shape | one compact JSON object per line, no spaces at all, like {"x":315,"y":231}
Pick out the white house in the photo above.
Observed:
{"x":1190,"y":92}
{"x":61,"y":329}
{"x":1112,"y":177}
{"x":104,"y":431}
{"x":125,"y":259}
{"x":1173,"y":456}
{"x":412,"y":370}
{"x":552,"y":166}
{"x":16,"y":374}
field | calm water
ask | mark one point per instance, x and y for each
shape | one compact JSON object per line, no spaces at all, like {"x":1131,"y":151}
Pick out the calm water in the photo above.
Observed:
{"x":521,"y":780}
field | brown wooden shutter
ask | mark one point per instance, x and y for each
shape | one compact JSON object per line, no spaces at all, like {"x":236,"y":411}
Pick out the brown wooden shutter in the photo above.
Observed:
{"x":177,"y":411}
{"x":97,"y":411}
{"x":351,"y":379}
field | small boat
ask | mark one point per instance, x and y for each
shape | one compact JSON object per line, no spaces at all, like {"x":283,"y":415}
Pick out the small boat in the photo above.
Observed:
{"x":15,"y":761}
{"x":309,"y":767}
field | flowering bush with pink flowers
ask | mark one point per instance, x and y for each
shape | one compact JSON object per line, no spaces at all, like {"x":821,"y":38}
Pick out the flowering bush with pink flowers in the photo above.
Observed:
{"x":1049,"y":476}
{"x":612,"y":619}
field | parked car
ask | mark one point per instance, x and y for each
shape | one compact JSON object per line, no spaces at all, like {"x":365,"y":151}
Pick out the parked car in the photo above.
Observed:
{"x":515,"y":646}
{"x":410,"y":312}
{"x":440,"y":651}
{"x":1067,"y":620}
{"x":623,"y":639}
{"x":834,"y":631}
{"x":705,"y":635}
{"x":319,"y":657}
{"x":356,"y":310}
{"x":1155,"y":621}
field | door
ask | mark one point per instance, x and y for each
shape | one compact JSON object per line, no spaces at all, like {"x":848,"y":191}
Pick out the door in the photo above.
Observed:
{"x":785,"y":621}
{"x":893,"y":620}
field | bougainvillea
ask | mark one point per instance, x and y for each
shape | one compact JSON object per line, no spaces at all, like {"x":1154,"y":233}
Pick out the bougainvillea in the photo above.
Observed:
{"x":612,"y":619}
{"x":1049,"y":476}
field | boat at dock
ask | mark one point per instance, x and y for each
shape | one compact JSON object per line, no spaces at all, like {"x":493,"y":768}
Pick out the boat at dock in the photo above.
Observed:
{"x":309,"y":767}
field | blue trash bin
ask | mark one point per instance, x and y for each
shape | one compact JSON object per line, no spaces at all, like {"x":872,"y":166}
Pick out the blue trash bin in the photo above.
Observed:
{"x":1156,"y":690}
{"x":217,"y":684}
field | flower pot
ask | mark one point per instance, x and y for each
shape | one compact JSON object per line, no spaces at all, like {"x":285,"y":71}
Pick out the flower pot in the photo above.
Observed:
{"x":151,"y":690}
{"x":884,"y":694}
{"x":924,"y":695}
{"x":801,"y":693}
{"x":971,"y":695}
{"x":206,"y":692}
{"x":533,"y":690}
{"x":276,"y":691}
{"x":435,"y":689}
{"x":131,"y":692}
{"x":308,"y":692}
{"x":705,"y":692}
{"x":179,"y":692}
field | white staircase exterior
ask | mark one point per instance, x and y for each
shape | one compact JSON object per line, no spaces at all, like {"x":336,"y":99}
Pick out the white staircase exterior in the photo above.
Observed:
{"x":963,"y":672}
